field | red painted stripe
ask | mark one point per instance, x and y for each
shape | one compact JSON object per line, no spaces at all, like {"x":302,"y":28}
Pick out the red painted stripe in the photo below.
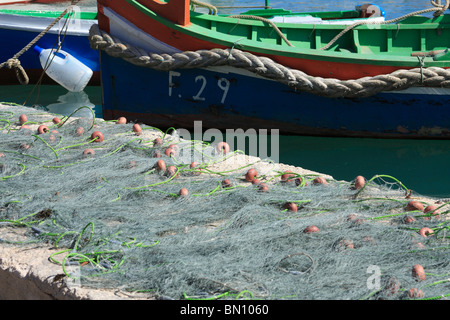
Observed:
{"x":184,"y":42}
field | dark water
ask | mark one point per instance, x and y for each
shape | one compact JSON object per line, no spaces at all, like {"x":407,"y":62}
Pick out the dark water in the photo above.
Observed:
{"x":421,"y":165}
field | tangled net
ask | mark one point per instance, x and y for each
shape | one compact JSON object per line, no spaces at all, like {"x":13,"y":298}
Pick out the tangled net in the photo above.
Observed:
{"x":98,"y":193}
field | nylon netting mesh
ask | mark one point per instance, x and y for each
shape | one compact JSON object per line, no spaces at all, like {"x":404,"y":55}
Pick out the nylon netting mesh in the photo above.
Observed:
{"x":123,"y":222}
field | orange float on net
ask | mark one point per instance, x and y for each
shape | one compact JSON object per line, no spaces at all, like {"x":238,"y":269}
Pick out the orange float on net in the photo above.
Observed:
{"x":171,"y":171}
{"x":160,"y":165}
{"x":23,"y":118}
{"x":97,"y":135}
{"x":137,"y":129}
{"x":251,"y":174}
{"x":311,"y":229}
{"x":286,"y":177}
{"x":392,"y":287}
{"x":415,"y":293}
{"x":345,"y":244}
{"x":320,"y":180}
{"x":418,"y":272}
{"x":409,"y":219}
{"x":88,"y":152}
{"x":431,"y":209}
{"x":359,"y":182}
{"x":79,"y":131}
{"x":223,"y":147}
{"x":43,"y":129}
{"x":425,"y":232}
{"x":56,"y":120}
{"x":157,"y":142}
{"x":226,"y":183}
{"x":183,"y":192}
{"x":418,"y":245}
{"x":263,"y":187}
{"x":414,"y":206}
{"x":170,"y":152}
{"x":121,"y":120}
{"x":25,"y":146}
{"x":193,"y":166}
{"x":290,"y":206}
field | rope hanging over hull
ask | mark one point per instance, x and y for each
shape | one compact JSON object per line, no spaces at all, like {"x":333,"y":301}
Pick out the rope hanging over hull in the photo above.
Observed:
{"x":266,"y":67}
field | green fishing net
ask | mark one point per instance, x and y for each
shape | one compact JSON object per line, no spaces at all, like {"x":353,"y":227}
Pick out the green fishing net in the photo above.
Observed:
{"x":123,"y":221}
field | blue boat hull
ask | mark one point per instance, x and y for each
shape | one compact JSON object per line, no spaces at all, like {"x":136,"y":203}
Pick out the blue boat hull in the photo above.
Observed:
{"x":231,"y":98}
{"x":16,"y":39}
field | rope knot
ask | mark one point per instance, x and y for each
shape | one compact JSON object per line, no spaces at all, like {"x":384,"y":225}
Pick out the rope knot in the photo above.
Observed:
{"x":13,"y":63}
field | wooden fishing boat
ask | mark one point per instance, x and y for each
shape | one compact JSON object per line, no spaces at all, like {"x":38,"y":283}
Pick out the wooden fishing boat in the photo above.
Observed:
{"x":19,"y":27}
{"x":346,"y":74}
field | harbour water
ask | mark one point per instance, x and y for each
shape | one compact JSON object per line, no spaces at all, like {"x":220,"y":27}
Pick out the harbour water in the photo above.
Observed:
{"x":421,"y":165}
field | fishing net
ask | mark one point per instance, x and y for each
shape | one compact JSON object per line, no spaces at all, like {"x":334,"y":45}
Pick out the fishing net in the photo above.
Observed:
{"x":126,"y":222}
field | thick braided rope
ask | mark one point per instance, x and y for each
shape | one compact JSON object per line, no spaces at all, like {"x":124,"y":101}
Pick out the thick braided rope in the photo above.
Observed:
{"x":439,"y":9}
{"x":14,"y":62}
{"x":267,"y":68}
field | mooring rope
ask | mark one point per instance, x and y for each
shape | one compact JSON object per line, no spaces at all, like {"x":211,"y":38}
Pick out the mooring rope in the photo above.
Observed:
{"x":263,"y":66}
{"x":14,"y":62}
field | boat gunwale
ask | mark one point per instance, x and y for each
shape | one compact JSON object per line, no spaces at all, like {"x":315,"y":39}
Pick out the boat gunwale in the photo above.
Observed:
{"x":230,"y":41}
{"x":39,"y":13}
{"x":29,"y":23}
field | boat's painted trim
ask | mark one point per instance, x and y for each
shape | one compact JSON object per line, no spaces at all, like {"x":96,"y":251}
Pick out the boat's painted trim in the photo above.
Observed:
{"x":123,"y":29}
{"x":75,"y":27}
{"x":312,"y":62}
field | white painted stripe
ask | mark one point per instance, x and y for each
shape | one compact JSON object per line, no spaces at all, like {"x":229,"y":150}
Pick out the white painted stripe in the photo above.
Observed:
{"x":13,"y":1}
{"x":38,"y":24}
{"x":124,"y":29}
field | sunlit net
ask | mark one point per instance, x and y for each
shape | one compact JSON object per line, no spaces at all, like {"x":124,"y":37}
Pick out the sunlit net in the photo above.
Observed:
{"x":125,"y":223}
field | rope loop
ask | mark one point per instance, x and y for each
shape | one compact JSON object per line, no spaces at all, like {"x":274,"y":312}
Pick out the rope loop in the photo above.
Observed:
{"x":15,"y":65}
